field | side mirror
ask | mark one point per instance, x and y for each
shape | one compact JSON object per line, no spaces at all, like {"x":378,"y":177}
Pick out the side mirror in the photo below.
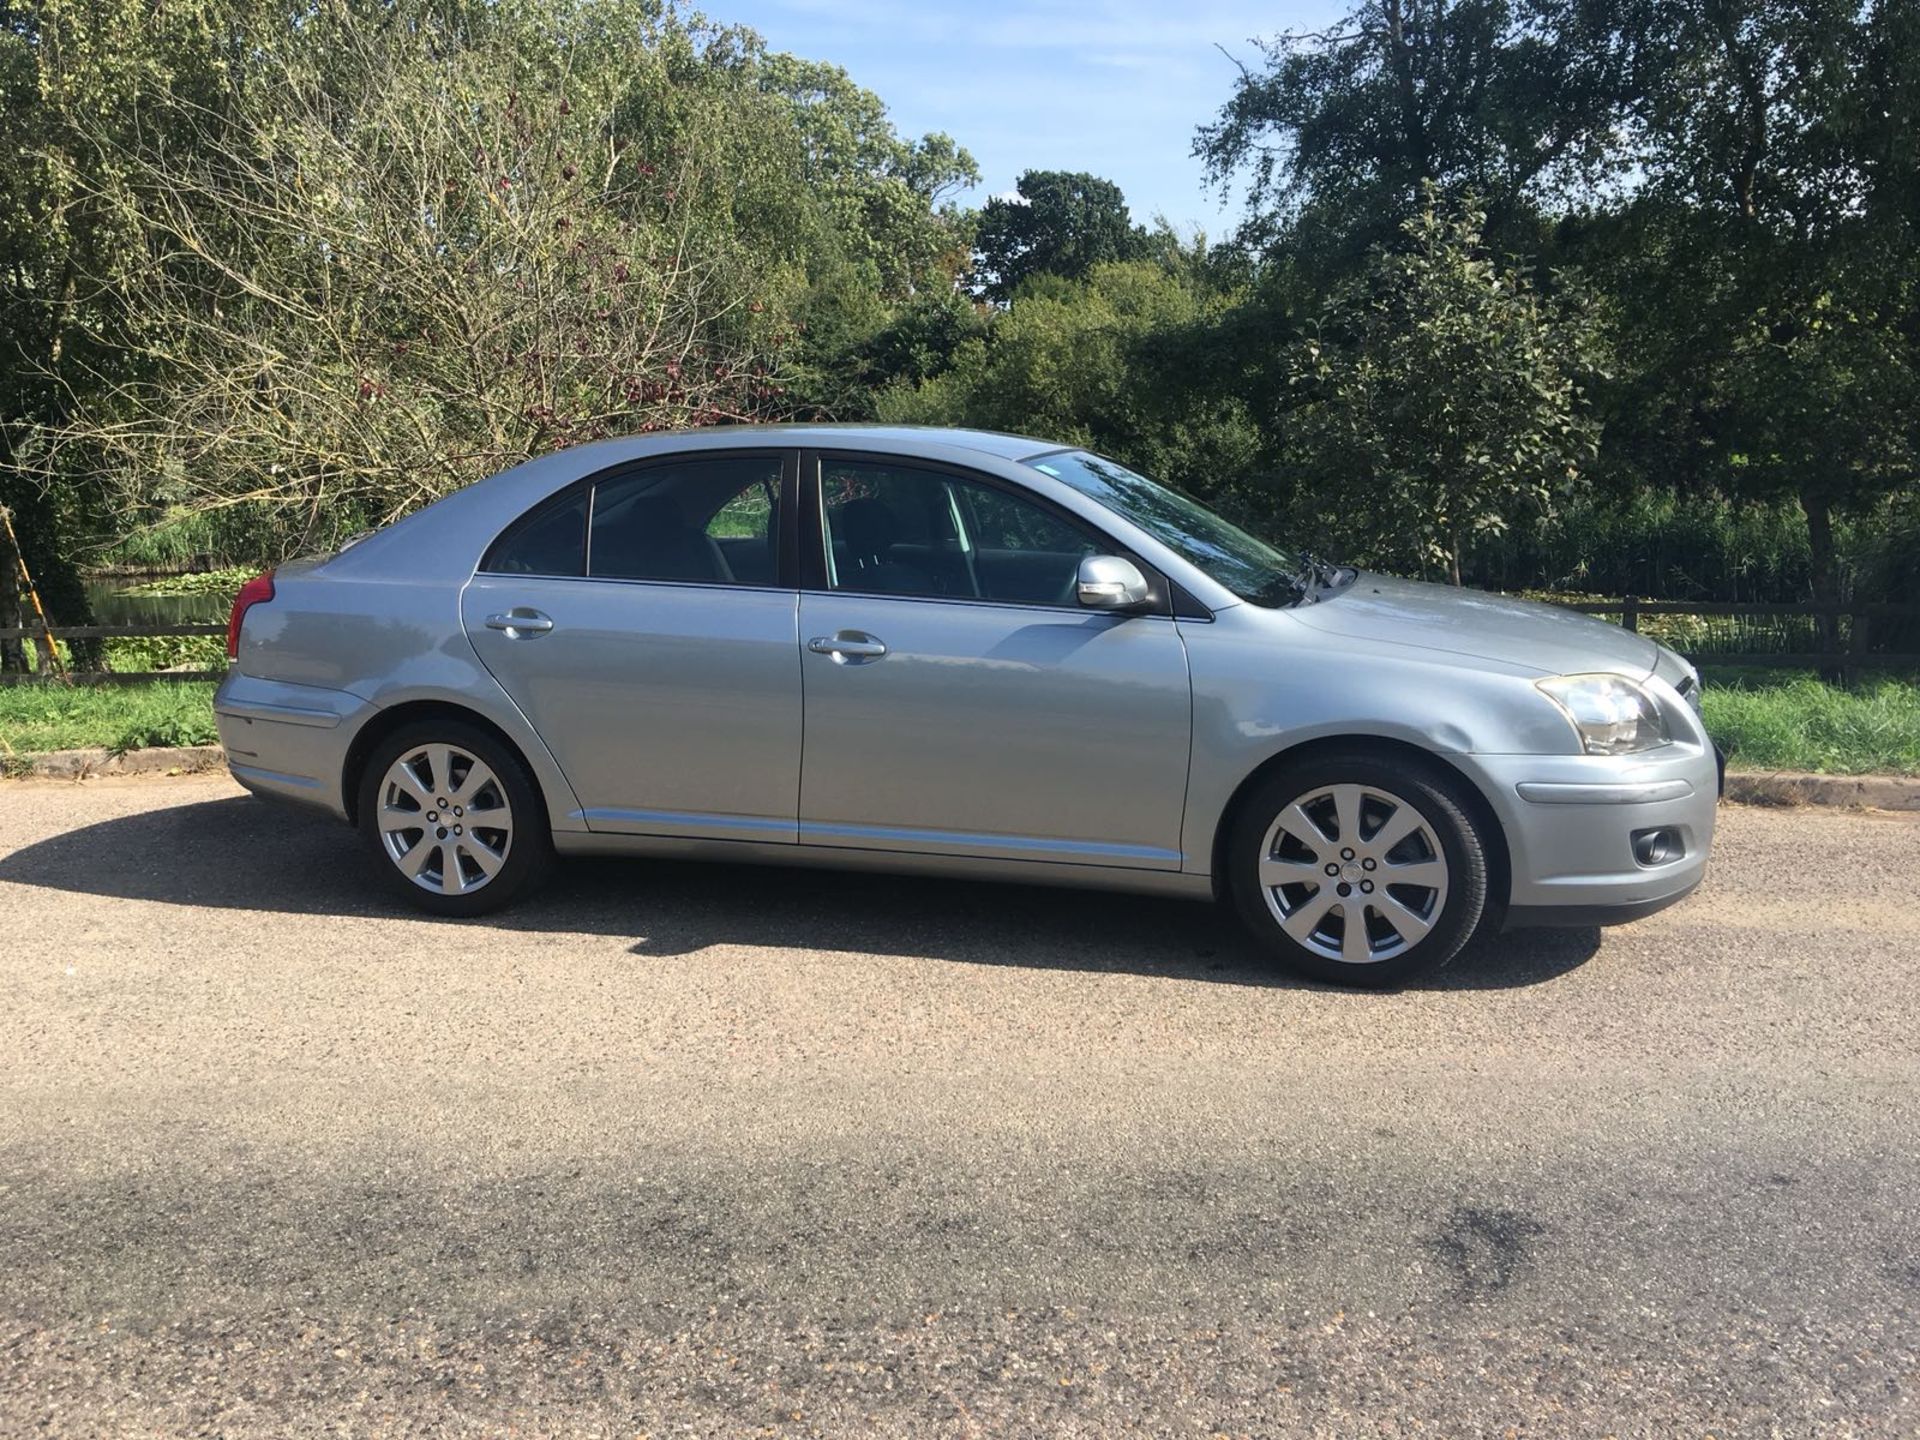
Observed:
{"x":1108,"y":582}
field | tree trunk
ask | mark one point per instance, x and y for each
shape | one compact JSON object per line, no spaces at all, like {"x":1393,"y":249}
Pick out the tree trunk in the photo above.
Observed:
{"x":1826,"y":581}
{"x":1419,"y":153}
{"x":13,"y":653}
{"x":1453,"y":558}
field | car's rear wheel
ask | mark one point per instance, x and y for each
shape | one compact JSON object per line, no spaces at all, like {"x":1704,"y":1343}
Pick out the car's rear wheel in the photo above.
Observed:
{"x":1357,"y":869}
{"x":453,"y":818}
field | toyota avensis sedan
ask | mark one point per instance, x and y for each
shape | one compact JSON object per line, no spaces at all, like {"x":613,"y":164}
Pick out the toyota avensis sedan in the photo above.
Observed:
{"x":962,"y":654}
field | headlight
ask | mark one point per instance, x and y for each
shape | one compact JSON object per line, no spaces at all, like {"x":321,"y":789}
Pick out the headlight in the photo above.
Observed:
{"x":1612,"y":715}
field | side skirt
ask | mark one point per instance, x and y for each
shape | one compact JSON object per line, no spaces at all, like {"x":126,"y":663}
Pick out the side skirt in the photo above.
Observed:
{"x":832,"y":857}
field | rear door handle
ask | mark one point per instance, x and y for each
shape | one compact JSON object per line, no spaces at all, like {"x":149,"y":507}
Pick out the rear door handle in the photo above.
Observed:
{"x":848,"y":646}
{"x":519,"y":622}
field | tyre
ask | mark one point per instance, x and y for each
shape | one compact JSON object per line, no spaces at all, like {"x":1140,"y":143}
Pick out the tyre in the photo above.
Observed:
{"x":1358,"y":869}
{"x":455,"y":821}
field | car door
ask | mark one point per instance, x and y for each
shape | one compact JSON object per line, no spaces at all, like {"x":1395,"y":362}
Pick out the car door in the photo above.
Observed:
{"x":645,"y":623}
{"x":958,"y":701}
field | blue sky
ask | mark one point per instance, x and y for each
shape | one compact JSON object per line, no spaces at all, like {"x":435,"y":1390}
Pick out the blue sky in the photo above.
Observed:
{"x":1116,"y":88}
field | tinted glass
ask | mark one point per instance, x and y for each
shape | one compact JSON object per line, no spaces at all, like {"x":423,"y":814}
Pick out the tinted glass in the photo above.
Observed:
{"x":551,"y":540}
{"x":711,"y":521}
{"x":1250,"y":568}
{"x":895,"y":531}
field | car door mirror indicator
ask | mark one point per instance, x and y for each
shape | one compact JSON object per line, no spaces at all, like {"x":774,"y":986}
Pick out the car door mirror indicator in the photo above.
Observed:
{"x":1108,"y":582}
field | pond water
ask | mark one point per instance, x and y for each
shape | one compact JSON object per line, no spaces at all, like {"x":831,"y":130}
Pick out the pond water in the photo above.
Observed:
{"x":112,"y":605}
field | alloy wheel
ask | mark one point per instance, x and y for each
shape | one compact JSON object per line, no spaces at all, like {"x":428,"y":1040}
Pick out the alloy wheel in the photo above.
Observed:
{"x":445,"y":819}
{"x":1353,"y":873}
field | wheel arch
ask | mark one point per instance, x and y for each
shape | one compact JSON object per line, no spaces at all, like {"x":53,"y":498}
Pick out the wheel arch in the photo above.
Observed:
{"x":387,"y":721}
{"x":1499,"y":858}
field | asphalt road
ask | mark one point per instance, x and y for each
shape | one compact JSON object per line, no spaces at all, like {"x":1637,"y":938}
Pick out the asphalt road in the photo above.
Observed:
{"x":680,"y":1150}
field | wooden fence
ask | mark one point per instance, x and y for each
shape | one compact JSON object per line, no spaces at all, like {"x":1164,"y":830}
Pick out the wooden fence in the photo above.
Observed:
{"x":1848,"y":630}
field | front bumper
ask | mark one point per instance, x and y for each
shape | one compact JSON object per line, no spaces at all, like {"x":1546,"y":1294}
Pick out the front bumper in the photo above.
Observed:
{"x":1570,"y":823}
{"x":1540,"y":917}
{"x":285,"y":741}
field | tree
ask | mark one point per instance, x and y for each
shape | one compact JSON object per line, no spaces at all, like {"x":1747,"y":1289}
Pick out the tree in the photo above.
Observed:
{"x":62,"y":253}
{"x":1440,"y":400}
{"x":1058,"y":224}
{"x":1736,"y":177}
{"x":888,"y":198}
{"x":1102,"y":362}
{"x":407,"y":254}
{"x":401,"y":244}
{"x":1767,"y":277}
{"x":1509,"y":100}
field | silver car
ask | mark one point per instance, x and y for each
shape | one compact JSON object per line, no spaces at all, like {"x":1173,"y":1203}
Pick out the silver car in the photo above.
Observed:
{"x":966,"y":654}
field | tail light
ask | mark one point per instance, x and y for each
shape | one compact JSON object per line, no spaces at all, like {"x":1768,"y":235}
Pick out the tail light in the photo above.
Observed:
{"x":256,"y":591}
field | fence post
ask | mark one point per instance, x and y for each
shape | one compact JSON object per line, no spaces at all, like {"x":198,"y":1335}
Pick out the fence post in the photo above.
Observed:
{"x":1630,"y":613}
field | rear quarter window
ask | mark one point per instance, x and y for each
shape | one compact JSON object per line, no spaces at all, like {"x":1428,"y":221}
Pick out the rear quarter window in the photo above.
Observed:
{"x":549,"y":540}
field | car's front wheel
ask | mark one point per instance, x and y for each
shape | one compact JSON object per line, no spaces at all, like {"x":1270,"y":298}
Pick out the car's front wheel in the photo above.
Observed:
{"x":1357,"y":869}
{"x":453,"y":818}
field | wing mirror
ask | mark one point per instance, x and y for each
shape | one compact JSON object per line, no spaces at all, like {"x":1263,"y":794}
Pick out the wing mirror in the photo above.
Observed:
{"x":1108,"y":582}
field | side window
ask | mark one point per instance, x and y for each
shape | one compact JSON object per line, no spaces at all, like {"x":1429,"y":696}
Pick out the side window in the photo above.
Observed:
{"x":999,"y":521}
{"x":551,"y":539}
{"x":889,"y":531}
{"x":894,"y":531}
{"x":711,"y":521}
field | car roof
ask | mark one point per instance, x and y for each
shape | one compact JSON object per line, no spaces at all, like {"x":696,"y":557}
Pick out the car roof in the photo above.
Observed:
{"x":906,"y":439}
{"x":469,"y":517}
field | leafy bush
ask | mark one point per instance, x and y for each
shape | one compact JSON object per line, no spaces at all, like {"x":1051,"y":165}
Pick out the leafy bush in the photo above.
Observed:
{"x":1439,"y":400}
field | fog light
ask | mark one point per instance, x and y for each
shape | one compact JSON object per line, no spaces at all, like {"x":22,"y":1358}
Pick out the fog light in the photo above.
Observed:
{"x":1658,"y":847}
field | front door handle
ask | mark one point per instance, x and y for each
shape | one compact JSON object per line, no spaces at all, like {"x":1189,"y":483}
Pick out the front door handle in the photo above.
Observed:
{"x":848,"y":647}
{"x":519,"y":622}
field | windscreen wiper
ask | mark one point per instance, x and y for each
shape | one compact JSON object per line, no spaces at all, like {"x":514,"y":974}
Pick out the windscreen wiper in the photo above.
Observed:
{"x":1290,"y":587}
{"x":1329,"y":575}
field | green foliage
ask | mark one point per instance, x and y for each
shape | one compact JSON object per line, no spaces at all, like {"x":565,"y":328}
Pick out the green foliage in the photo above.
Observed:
{"x":1438,"y":401}
{"x":1094,"y":362}
{"x":41,"y":717}
{"x":177,"y":538}
{"x":347,"y":326}
{"x":1655,"y":543}
{"x":272,"y":276}
{"x":1060,"y":224}
{"x":1701,"y":637}
{"x":337,"y":264}
{"x":882,"y":195}
{"x":1336,"y":132}
{"x":139,"y":654}
{"x":1803,"y":724}
{"x":1734,"y":182}
{"x":142,"y":654}
{"x":1886,"y":562}
{"x":205,"y":582}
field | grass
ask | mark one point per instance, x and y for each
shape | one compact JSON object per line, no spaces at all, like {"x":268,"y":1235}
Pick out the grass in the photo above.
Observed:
{"x":1767,"y":720}
{"x":37,"y":718}
{"x":1778,"y":721}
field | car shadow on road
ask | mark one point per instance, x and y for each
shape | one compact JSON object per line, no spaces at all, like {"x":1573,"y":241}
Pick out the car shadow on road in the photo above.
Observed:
{"x":240,"y":854}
